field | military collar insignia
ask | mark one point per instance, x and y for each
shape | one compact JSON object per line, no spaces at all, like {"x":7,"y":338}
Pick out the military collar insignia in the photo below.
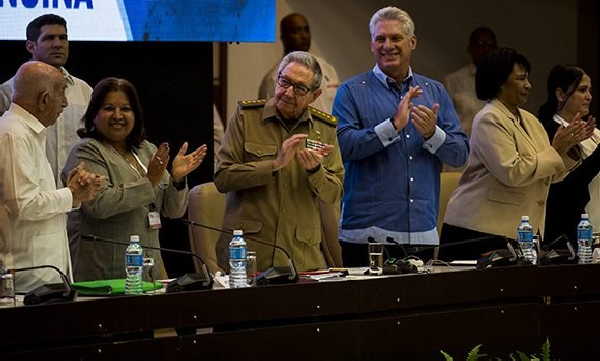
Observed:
{"x":252,"y":103}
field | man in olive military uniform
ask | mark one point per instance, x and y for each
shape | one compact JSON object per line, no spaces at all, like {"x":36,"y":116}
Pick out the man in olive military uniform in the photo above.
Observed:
{"x":279,"y":158}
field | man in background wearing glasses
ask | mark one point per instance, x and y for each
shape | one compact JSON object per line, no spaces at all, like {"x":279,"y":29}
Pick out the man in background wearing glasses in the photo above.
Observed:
{"x":296,"y":36}
{"x":279,"y":158}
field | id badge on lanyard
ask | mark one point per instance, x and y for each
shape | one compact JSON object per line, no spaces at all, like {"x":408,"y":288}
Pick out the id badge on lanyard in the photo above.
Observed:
{"x":153,"y":218}
{"x":153,"y":215}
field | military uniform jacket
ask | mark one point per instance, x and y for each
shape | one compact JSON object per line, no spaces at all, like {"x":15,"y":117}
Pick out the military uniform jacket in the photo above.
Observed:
{"x":276,"y":207}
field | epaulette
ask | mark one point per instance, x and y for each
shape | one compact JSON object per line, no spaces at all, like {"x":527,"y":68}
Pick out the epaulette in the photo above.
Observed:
{"x":252,"y":103}
{"x":322,"y":116}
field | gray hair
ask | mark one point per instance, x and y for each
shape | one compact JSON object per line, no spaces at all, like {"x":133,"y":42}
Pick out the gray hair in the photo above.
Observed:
{"x":392,"y":13}
{"x":306,"y":59}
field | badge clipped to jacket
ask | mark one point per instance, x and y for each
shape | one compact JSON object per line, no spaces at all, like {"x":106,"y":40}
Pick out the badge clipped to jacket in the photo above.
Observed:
{"x":153,"y":218}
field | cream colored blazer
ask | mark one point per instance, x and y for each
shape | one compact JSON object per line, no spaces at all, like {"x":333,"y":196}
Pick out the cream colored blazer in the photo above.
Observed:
{"x":508,"y":174}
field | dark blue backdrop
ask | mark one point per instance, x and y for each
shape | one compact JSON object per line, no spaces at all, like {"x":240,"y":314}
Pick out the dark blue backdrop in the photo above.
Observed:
{"x":201,"y":20}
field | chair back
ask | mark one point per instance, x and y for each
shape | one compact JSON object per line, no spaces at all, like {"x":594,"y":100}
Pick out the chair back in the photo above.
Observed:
{"x":206,"y":206}
{"x":448,"y":182}
{"x":330,"y":244}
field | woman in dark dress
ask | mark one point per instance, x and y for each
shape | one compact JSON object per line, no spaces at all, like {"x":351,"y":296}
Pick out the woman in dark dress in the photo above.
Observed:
{"x":569,"y":97}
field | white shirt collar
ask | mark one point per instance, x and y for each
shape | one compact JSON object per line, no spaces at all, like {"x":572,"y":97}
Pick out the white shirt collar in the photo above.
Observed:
{"x":29,"y":119}
{"x":67,"y":76}
{"x":560,"y":120}
{"x":379,"y":74}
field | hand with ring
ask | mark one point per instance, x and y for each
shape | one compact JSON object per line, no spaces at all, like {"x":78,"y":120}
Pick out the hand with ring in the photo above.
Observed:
{"x":158,"y":164}
{"x":566,"y":137}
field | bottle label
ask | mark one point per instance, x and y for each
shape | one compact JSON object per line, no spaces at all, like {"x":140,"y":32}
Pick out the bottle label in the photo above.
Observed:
{"x":136,"y":260}
{"x":237,"y":253}
{"x":584,"y":234}
{"x":525,"y":236}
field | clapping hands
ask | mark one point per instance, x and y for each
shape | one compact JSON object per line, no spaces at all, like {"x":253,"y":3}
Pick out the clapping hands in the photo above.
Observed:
{"x":311,"y":159}
{"x":84,"y":185}
{"x":184,"y":164}
{"x":577,"y":131}
{"x":158,"y":164}
{"x":402,"y":115}
{"x":289,"y":147}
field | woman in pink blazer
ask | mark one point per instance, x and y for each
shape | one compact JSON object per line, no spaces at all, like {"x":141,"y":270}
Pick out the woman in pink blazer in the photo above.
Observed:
{"x":511,"y":164}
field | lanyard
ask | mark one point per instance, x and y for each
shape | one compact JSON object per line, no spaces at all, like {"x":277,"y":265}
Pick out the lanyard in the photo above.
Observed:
{"x":137,"y":159}
{"x":151,"y":206}
{"x":139,"y":163}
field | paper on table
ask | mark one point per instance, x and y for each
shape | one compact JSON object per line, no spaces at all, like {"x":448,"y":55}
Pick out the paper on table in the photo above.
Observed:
{"x":464,"y":262}
{"x":221,"y":280}
{"x":326,"y":276}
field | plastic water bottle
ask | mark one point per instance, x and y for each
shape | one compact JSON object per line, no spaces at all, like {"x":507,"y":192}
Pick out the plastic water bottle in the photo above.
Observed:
{"x":237,"y":260}
{"x":525,"y":239}
{"x":584,"y":240}
{"x":134,"y":263}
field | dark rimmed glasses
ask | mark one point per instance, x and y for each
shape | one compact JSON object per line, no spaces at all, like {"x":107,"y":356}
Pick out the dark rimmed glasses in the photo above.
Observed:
{"x":299,"y":89}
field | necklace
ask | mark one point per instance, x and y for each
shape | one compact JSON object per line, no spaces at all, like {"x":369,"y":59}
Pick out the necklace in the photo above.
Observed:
{"x":131,"y":160}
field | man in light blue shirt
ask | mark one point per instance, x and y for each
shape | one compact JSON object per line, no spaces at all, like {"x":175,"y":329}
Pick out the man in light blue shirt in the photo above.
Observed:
{"x":393,"y":158}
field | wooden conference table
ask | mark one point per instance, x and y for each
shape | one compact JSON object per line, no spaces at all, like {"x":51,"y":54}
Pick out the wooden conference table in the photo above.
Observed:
{"x":408,"y":317}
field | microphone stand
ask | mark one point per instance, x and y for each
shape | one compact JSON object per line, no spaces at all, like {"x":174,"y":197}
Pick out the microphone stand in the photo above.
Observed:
{"x":549,"y":253}
{"x":205,"y":277}
{"x":273,"y":275}
{"x":511,"y":255}
{"x":50,"y":293}
{"x":446,"y":245}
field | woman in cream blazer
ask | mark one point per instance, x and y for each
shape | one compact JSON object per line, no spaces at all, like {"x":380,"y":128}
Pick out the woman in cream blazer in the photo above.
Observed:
{"x":511,"y":165}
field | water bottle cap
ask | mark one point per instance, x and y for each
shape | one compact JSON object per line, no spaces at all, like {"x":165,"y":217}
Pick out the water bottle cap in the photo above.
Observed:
{"x":238,"y":232}
{"x":585,"y":216}
{"x":525,"y":218}
{"x":134,"y":238}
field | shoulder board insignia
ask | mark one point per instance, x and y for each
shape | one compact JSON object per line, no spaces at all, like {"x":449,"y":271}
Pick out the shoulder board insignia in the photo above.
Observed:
{"x":322,"y":116}
{"x":252,"y":103}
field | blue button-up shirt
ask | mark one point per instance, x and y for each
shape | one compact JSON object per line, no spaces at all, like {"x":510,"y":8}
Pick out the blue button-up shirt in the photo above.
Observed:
{"x":392,"y":183}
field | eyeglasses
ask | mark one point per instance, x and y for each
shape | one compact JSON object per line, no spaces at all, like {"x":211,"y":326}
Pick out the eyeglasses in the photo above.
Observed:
{"x":299,"y":89}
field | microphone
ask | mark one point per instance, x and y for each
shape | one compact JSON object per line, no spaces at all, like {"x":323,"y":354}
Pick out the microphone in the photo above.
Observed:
{"x":188,"y":282}
{"x":471,"y":241}
{"x":559,"y":241}
{"x":273,"y":275}
{"x":500,"y":257}
{"x":497,"y":257}
{"x":551,"y":253}
{"x":48,"y":293}
{"x":393,"y":241}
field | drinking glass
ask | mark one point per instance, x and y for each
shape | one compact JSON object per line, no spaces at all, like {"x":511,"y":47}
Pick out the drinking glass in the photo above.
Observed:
{"x":376,"y":258}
